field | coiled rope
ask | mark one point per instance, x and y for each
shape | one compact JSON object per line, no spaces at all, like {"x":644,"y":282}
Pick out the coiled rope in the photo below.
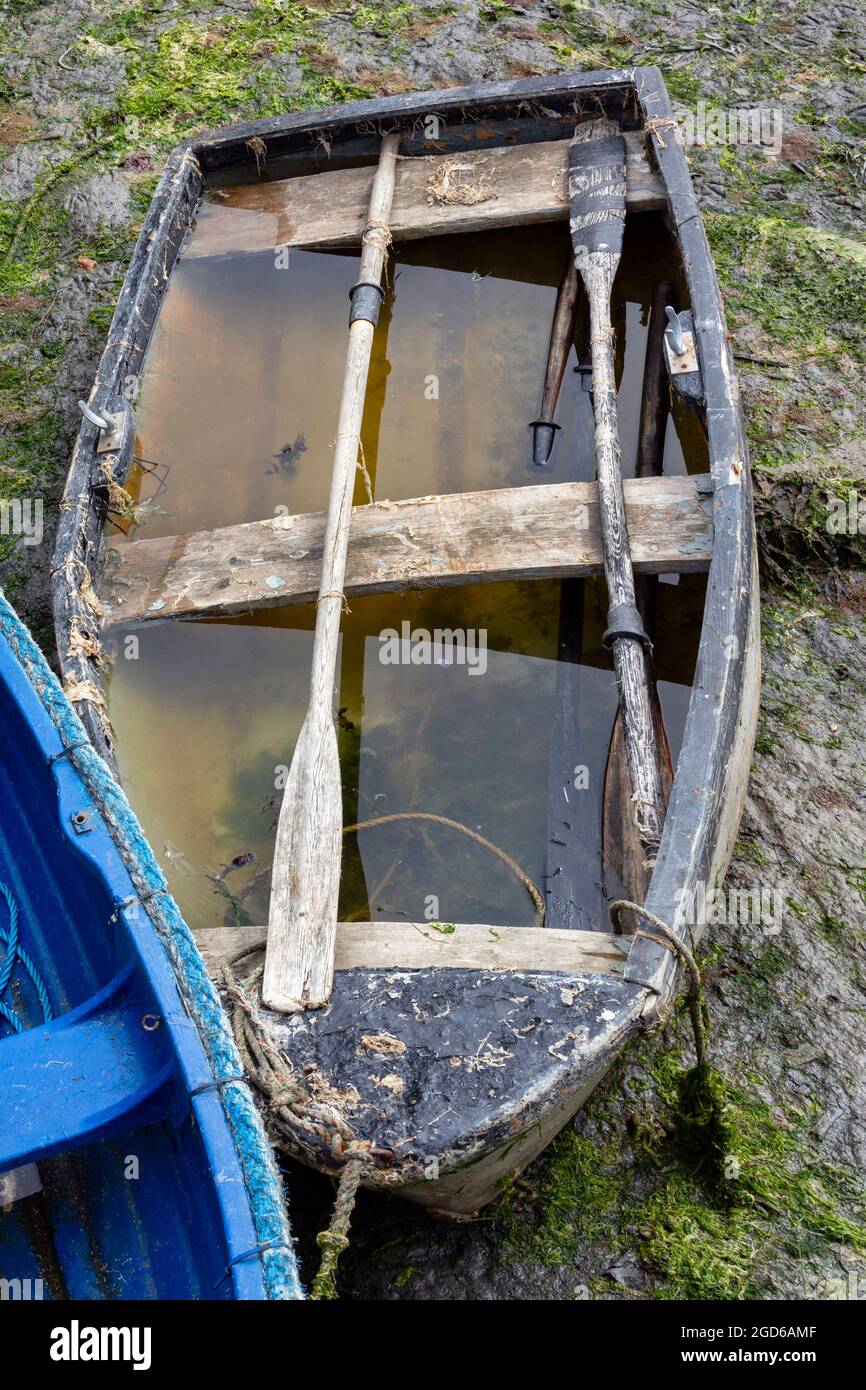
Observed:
{"x":15,"y":953}
{"x":292,"y":1110}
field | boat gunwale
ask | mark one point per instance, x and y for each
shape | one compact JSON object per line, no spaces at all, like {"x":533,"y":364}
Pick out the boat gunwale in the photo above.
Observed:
{"x":214,"y":148}
{"x":719,"y":733}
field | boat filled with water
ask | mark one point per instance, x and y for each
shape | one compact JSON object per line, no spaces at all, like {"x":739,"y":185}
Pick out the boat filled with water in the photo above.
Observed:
{"x":406,"y":575}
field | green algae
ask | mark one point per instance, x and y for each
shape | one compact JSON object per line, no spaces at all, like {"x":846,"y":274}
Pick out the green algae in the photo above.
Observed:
{"x":736,"y":1185}
{"x":805,"y":288}
{"x":197,"y":74}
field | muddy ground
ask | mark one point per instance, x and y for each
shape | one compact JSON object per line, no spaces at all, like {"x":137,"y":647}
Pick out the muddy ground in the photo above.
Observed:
{"x":765,"y":1200}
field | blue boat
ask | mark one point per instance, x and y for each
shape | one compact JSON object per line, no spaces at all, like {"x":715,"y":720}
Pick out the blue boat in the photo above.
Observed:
{"x":133,"y":1163}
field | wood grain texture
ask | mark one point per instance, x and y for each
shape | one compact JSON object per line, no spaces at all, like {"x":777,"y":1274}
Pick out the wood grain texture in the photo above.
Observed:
{"x":475,"y":190}
{"x":464,"y":538}
{"x":561,"y":335}
{"x":622,"y":851}
{"x":418,"y":946}
{"x":305,"y":885}
{"x":713,"y":765}
{"x":79,"y":544}
{"x":598,"y":201}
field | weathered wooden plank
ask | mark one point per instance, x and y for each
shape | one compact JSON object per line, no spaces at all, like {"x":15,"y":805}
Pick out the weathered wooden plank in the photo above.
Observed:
{"x":418,"y":945}
{"x":549,"y":531}
{"x":474,"y":190}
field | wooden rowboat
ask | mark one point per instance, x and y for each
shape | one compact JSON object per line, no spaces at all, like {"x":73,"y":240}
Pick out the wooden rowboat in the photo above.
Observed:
{"x":449,"y":1055}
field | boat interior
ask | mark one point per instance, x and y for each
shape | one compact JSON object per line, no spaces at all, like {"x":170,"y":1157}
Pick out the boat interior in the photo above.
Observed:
{"x":474,"y":764}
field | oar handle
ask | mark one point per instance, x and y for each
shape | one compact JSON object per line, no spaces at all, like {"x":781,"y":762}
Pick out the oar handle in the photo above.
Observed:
{"x":561,"y":334}
{"x":362,"y":325}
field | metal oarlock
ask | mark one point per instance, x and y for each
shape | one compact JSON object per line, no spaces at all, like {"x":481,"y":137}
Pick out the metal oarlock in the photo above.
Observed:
{"x":116,"y":430}
{"x":674,"y":332}
{"x":681,"y":356}
{"x":91,"y":415}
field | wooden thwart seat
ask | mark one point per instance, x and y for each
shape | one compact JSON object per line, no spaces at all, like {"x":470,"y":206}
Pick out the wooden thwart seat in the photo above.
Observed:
{"x":416,"y":945}
{"x":547,"y":531}
{"x":475,"y":190}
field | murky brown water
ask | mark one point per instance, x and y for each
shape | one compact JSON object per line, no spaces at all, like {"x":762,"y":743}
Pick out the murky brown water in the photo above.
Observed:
{"x":238,"y":407}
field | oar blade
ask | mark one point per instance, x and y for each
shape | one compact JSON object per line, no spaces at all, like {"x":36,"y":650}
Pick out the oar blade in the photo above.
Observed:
{"x":299,"y":962}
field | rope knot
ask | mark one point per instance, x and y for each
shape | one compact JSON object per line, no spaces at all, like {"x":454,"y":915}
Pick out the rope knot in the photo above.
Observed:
{"x":283,"y":1098}
{"x":335,"y":593}
{"x":331,"y":1243}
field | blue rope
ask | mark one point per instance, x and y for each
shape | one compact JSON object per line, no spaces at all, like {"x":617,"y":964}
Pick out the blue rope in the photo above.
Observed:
{"x":10,"y":939}
{"x":16,"y":952}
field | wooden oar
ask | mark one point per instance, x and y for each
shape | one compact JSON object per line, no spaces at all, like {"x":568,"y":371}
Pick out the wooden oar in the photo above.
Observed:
{"x":561,"y":334}
{"x":622,"y":851}
{"x":596,"y":190}
{"x":299,"y":960}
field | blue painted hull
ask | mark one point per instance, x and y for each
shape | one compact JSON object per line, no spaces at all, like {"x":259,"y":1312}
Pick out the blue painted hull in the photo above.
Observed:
{"x":137,"y":1169}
